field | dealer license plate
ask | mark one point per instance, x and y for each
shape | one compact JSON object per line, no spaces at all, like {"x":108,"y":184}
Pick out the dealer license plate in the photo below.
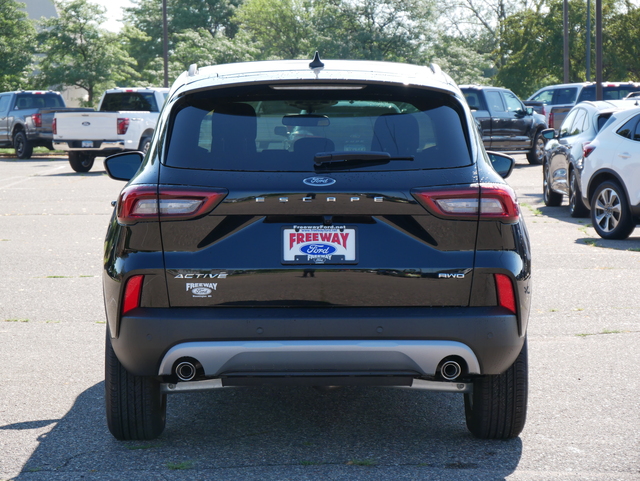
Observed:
{"x":319,"y":245}
{"x":87,"y":144}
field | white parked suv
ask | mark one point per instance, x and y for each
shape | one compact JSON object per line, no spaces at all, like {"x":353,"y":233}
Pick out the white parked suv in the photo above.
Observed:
{"x":611,"y":175}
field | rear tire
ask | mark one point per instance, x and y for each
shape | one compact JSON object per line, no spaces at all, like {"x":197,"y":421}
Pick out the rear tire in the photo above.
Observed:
{"x":610,"y":213}
{"x":551,"y":198}
{"x":80,"y":162}
{"x":136,"y":407}
{"x":497,"y":407}
{"x":145,"y":143}
{"x":536,"y":155}
{"x":576,"y":206}
{"x":24,"y":148}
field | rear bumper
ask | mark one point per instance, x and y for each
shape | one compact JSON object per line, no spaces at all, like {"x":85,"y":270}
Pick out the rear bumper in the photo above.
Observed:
{"x":298,"y":340}
{"x":97,"y":145}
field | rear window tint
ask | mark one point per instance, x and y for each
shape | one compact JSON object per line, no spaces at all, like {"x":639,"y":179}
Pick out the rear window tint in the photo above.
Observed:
{"x":608,"y":93}
{"x":133,"y":101}
{"x":266,"y":129}
{"x":38,"y":101}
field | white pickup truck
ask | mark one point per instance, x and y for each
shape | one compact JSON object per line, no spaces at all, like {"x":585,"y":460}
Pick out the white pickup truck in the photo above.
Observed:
{"x":125,"y":120}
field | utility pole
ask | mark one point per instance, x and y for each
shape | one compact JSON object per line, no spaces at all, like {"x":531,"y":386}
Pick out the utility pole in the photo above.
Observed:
{"x":588,"y":40}
{"x":599,"y":50}
{"x":165,"y":43}
{"x":565,"y":22}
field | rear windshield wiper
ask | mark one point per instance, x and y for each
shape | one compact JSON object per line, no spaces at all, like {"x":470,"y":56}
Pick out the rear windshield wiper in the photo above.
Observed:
{"x":355,"y":157}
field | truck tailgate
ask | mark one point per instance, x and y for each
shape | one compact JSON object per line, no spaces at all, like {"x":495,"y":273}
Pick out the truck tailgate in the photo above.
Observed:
{"x":86,"y":125}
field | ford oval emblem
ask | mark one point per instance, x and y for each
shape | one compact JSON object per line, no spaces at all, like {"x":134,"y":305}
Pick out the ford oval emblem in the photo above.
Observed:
{"x":201,"y":291}
{"x":86,"y":124}
{"x":318,"y":249}
{"x":319,"y":181}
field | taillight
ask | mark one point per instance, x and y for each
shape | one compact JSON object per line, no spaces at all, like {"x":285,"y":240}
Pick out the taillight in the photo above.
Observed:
{"x":145,"y":202}
{"x":551,"y":120}
{"x":506,"y":294}
{"x":132,"y":292}
{"x":37,"y":120}
{"x":484,"y":201}
{"x":54,"y":126}
{"x":123,"y":126}
{"x":587,"y":148}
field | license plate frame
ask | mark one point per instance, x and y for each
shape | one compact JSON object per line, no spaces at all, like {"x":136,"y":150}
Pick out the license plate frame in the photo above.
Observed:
{"x":319,"y":245}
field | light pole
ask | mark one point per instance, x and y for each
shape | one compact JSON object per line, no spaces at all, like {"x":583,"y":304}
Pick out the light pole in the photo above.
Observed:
{"x":165,"y":43}
{"x":565,"y":24}
{"x":598,"y":49}
{"x":588,"y":40}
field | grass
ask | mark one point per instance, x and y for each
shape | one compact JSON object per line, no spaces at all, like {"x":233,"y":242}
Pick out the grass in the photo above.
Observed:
{"x":591,"y":242}
{"x":534,"y":211}
{"x":180,"y":466}
{"x":604,"y":331}
{"x":36,"y":150}
{"x":16,"y":320}
{"x":142,"y":446}
{"x":362,"y":462}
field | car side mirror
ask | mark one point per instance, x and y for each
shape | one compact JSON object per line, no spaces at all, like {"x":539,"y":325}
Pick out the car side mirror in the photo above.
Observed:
{"x":124,"y":165}
{"x":548,"y":134}
{"x":502,"y":163}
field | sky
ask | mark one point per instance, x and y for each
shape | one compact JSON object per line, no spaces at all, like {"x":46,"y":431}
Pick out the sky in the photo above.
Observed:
{"x":114,"y":13}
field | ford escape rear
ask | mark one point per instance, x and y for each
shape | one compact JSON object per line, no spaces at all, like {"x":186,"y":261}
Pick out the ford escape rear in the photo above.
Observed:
{"x":316,"y":224}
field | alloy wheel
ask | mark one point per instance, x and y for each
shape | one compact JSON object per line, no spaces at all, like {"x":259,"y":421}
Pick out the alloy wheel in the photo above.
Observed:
{"x":608,"y":209}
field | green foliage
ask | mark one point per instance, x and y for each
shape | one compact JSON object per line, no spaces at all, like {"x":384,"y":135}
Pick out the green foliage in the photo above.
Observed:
{"x":16,"y":45}
{"x":77,"y":52}
{"x":531,"y":46}
{"x":464,"y":64}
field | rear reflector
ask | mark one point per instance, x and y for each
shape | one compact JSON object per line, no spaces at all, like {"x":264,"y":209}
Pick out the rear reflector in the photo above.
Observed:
{"x":587,"y":148}
{"x":132,"y":292}
{"x":506,"y":294}
{"x":147,"y":203}
{"x":37,"y":120}
{"x":483,"y":201}
{"x":123,"y":126}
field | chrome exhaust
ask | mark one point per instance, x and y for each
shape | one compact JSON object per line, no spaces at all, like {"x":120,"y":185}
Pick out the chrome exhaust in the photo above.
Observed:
{"x":450,"y":370}
{"x":186,"y":371}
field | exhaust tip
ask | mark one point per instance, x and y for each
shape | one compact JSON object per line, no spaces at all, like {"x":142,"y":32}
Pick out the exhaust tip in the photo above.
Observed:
{"x":450,"y":370}
{"x":186,"y":370}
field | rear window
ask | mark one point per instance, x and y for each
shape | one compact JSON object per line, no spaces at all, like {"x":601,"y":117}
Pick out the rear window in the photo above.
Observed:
{"x":132,"y":101}
{"x":289,"y":128}
{"x":608,"y":92}
{"x":38,"y":101}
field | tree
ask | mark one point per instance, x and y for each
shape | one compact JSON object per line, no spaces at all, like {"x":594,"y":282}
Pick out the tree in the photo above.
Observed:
{"x":358,"y":29}
{"x":279,"y":28}
{"x":76,"y":52}
{"x":532,"y":45}
{"x":17,"y":35}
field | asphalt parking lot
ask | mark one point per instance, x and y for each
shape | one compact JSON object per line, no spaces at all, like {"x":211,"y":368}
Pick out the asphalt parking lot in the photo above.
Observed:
{"x":584,"y":347}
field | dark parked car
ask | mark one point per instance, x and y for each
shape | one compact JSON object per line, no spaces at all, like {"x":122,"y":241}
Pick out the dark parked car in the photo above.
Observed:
{"x":380,"y":248}
{"x":507,"y":125}
{"x":564,"y":156}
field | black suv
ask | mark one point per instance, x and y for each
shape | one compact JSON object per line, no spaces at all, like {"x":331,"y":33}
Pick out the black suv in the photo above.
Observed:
{"x":319,"y":224}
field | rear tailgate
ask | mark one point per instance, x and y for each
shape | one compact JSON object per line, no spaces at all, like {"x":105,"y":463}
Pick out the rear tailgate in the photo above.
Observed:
{"x":86,"y":126}
{"x":327,"y":247}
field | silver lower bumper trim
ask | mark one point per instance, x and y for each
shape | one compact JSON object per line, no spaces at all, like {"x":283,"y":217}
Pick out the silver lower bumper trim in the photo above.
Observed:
{"x":418,"y":384}
{"x":222,"y":357}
